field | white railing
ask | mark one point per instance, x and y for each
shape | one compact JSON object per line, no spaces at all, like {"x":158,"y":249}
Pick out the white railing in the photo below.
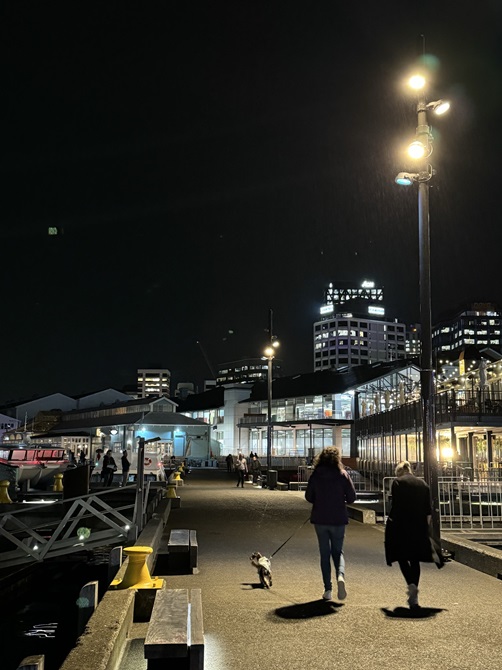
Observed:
{"x":464,"y":504}
{"x":468,"y":504}
{"x":42,"y":531}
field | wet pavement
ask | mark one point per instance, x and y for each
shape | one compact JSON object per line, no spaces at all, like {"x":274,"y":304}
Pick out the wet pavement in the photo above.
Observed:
{"x":247,"y":627}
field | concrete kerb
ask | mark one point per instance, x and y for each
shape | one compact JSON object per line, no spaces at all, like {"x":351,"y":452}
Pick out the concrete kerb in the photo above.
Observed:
{"x":474,"y":554}
{"x":103,"y":642}
{"x":361,"y":513}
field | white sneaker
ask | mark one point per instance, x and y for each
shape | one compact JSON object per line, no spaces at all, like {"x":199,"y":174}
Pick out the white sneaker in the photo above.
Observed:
{"x":342,"y":592}
{"x":412,"y":596}
{"x":327,"y":595}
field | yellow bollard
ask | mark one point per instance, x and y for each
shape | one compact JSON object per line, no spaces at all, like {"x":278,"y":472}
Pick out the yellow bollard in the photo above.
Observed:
{"x":137,"y":574}
{"x":4,"y":492}
{"x":170,"y":492}
{"x":58,"y":482}
{"x":177,"y":476}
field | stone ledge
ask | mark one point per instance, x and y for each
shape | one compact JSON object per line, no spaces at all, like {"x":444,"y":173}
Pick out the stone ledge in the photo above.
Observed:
{"x":473,"y":554}
{"x":101,"y":645}
{"x":362,"y":514}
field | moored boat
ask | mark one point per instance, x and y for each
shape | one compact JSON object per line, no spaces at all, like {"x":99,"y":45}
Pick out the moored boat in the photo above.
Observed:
{"x":24,"y":465}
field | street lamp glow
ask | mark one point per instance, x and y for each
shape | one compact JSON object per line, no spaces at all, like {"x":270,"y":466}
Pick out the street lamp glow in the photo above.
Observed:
{"x":275,"y":344}
{"x":417,"y":81}
{"x":269,"y":352}
{"x":416,"y":150}
{"x":440,"y":107}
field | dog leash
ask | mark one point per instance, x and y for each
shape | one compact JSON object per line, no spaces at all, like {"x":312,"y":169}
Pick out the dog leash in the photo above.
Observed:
{"x":293,"y":533}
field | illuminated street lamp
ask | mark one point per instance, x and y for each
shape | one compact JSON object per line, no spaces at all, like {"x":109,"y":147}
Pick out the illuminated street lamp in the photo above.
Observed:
{"x":421,"y":149}
{"x":269,"y":354}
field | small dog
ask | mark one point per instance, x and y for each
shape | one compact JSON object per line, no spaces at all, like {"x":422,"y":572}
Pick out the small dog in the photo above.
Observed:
{"x":263,"y":565}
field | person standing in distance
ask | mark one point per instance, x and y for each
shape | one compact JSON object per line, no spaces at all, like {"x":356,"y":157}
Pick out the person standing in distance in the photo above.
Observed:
{"x":242,"y":468}
{"x":407,"y":536}
{"x":330,"y":489}
{"x":126,"y":466}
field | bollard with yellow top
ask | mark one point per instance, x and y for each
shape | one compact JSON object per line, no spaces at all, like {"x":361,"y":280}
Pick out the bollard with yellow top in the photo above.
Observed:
{"x":4,"y":492}
{"x":177,"y":478}
{"x":58,"y":482}
{"x":170,"y":492}
{"x":137,"y":575}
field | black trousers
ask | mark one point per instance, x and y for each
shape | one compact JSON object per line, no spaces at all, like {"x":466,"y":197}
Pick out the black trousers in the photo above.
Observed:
{"x":241,"y":474}
{"x":411,"y":571}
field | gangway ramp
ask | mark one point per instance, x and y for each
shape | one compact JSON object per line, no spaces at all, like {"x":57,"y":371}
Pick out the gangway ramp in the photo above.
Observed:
{"x":35,"y":532}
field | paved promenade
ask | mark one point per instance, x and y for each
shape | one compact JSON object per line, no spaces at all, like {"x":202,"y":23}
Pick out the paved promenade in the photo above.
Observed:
{"x":246,"y":627}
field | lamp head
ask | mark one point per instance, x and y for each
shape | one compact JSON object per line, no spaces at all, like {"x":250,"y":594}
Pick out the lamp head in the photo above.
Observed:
{"x":439,"y":107}
{"x":269,"y":352}
{"x":406,"y":178}
{"x":417,"y":149}
{"x":417,"y":82}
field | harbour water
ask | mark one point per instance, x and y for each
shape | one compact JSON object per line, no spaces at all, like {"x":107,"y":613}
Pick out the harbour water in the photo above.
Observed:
{"x":39,"y":612}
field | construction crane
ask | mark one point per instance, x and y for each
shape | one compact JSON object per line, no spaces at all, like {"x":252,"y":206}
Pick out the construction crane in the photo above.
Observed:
{"x":208,"y":363}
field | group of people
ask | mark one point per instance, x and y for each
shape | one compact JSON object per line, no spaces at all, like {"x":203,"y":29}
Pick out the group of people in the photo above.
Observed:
{"x":408,"y":539}
{"x":244,"y":466}
{"x":109,"y":467}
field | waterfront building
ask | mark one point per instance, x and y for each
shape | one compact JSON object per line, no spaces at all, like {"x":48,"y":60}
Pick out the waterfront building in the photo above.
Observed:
{"x":7,"y":423}
{"x":309,"y":411}
{"x":25,"y":411}
{"x":222,"y":408}
{"x":119,"y":425}
{"x":468,"y":406}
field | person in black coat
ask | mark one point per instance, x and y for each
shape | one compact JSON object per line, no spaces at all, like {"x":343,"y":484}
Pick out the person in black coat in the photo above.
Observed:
{"x":329,"y":489}
{"x":407,"y":532}
{"x":126,"y":466}
{"x":109,"y":467}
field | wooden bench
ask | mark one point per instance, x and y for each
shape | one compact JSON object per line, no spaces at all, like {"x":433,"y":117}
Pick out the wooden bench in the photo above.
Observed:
{"x":176,"y":631}
{"x":183,"y":549}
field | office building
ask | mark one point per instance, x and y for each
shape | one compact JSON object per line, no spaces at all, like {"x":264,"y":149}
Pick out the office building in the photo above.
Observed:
{"x":478,"y":325}
{"x":154,"y":382}
{"x":244,"y":371}
{"x":353,"y":329}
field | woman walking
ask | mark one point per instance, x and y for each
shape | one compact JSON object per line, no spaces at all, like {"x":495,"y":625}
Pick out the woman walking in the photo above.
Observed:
{"x":407,"y":535}
{"x":329,"y":489}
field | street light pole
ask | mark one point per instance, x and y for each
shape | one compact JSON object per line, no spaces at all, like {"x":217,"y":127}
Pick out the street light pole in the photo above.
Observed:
{"x":421,"y":149}
{"x":426,"y":367}
{"x":269,"y":354}
{"x":269,"y":412}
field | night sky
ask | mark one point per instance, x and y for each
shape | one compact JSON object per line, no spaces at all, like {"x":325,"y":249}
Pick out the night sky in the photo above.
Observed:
{"x":207,"y":161}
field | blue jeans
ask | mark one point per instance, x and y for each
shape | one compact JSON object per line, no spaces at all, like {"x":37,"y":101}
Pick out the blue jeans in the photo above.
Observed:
{"x":330,"y":540}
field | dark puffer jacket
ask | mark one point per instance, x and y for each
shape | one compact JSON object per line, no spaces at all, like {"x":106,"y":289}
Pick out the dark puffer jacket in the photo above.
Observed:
{"x":329,"y":490}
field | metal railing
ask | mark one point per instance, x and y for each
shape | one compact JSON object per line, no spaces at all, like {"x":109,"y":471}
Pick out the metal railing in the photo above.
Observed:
{"x":470,"y":504}
{"x":465,"y":504}
{"x":449,"y":406}
{"x":42,"y":531}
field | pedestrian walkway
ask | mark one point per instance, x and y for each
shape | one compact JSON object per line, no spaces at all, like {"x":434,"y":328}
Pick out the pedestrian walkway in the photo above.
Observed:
{"x":247,"y":627}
